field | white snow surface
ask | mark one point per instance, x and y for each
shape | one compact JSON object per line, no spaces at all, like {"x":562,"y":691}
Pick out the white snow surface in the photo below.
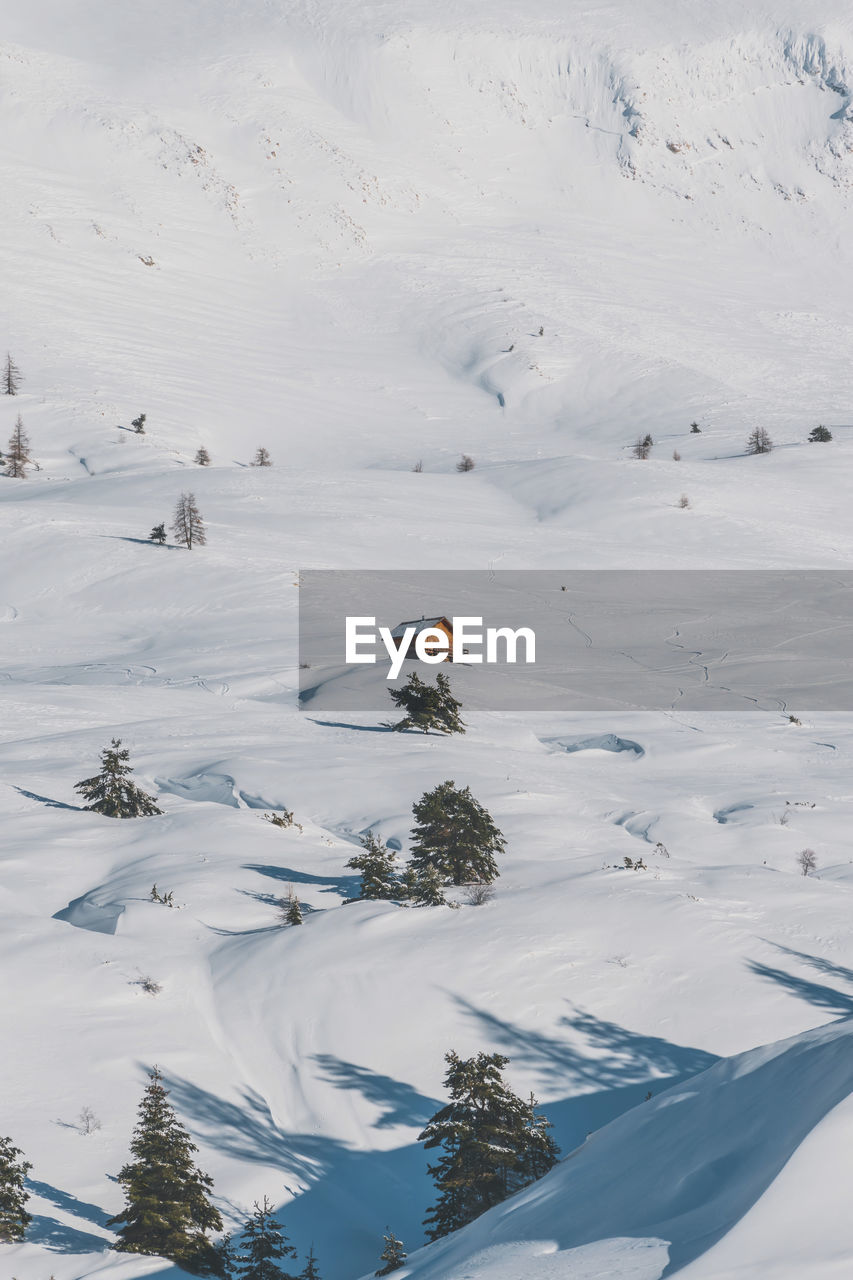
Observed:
{"x":320,"y":226}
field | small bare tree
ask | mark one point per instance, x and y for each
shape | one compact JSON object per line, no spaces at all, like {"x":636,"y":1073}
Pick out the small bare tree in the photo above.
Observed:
{"x":187,"y":525}
{"x":676,"y":456}
{"x":642,"y":448}
{"x":807,"y":861}
{"x":759,"y":441}
{"x":477,"y":895}
{"x":419,"y":466}
{"x":88,"y":1121}
{"x":202,"y":457}
{"x":18,"y":456}
{"x":684,"y":501}
{"x":262,"y":458}
{"x":12,"y":377}
{"x":465,"y":463}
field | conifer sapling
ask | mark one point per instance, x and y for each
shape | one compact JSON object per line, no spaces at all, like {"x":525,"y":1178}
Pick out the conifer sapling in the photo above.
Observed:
{"x":393,"y":1254}
{"x":111,"y":791}
{"x":377,"y":865}
{"x":263,"y":1245}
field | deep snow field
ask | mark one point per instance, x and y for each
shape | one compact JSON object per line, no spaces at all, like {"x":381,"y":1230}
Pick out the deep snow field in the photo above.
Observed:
{"x":320,"y":226}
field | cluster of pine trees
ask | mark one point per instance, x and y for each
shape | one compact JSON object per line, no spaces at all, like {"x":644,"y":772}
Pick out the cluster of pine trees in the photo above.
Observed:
{"x":491,"y":1143}
{"x":428,"y":706}
{"x":454,"y":842}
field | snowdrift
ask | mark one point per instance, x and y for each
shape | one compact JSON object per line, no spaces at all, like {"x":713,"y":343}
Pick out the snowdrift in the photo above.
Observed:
{"x":671,"y":1177}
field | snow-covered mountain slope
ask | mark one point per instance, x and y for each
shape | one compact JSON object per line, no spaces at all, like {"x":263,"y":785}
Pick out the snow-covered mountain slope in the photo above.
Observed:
{"x":336,"y":230}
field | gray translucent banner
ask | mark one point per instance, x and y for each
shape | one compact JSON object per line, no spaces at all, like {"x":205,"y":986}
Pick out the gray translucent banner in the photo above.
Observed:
{"x":710,"y":640}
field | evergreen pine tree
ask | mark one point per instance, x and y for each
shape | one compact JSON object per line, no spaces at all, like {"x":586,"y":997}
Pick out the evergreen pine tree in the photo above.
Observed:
{"x":377,"y":867}
{"x":158,"y":534}
{"x":540,"y":1152}
{"x":138,"y":424}
{"x":488,"y":1150}
{"x":428,"y":706}
{"x":203,"y":457}
{"x":187,"y":525}
{"x":292,"y":910}
{"x":111,"y":792}
{"x":12,"y":377}
{"x":455,"y":834}
{"x":167,"y":1198}
{"x":820,"y":435}
{"x":14,"y":1218}
{"x":263,"y":1245}
{"x":262,"y":458}
{"x":424,"y":886}
{"x":18,"y":454}
{"x":393,"y":1255}
{"x":310,"y":1271}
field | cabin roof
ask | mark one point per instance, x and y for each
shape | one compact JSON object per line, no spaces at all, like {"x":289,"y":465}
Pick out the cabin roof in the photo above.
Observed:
{"x":420,"y":624}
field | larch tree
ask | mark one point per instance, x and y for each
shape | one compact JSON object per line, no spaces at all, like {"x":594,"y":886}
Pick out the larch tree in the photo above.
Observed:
{"x":485,"y":1136}
{"x":12,"y":377}
{"x":168,"y":1211}
{"x":428,"y":706}
{"x":111,"y":791}
{"x":263,"y":1246}
{"x":14,"y":1218}
{"x":759,"y":441}
{"x":262,"y":458}
{"x":187,"y":524}
{"x":18,"y":452}
{"x":393,"y":1255}
{"x":456,"y":835}
{"x":377,"y":866}
{"x":202,"y":457}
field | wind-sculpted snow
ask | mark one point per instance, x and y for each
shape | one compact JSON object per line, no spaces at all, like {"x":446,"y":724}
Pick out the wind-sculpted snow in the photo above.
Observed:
{"x":681,"y":1170}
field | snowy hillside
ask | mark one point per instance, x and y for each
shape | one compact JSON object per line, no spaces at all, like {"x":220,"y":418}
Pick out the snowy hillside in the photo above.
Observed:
{"x":363,"y":237}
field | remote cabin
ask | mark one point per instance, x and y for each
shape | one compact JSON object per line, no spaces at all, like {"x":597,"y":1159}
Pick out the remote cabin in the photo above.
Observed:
{"x":425,"y":624}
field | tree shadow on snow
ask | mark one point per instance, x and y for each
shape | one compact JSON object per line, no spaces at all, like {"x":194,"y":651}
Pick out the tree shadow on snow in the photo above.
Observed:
{"x":398,"y":1103}
{"x":343,"y":1197}
{"x":606,"y":1069}
{"x":60,"y":1238}
{"x":64,"y":1200}
{"x":51,"y":804}
{"x":346,"y":886}
{"x":361,"y":728}
{"x":818,"y":994}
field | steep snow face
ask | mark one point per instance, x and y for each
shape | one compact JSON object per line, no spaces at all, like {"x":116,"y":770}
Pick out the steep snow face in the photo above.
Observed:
{"x":363,"y":237}
{"x":680,"y":1171}
{"x":367,"y":216}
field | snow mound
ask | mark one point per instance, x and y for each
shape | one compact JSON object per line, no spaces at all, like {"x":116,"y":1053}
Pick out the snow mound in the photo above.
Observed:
{"x":87,"y":913}
{"x":685,"y":1168}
